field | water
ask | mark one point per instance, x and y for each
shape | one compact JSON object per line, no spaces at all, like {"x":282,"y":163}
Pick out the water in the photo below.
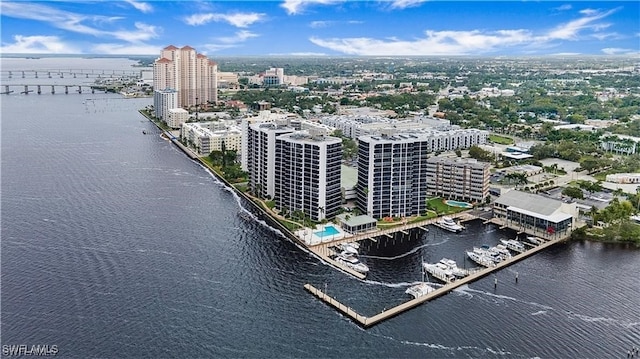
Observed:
{"x":328,"y":231}
{"x":116,"y":245}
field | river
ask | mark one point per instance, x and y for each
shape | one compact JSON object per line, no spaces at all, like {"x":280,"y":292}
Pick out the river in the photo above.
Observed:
{"x":115,"y":244}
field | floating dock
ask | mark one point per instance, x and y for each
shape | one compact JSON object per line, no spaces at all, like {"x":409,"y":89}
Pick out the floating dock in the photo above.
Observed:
{"x":375,"y":319}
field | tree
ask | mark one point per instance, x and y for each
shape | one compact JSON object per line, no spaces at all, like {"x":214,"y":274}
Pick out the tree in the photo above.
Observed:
{"x":573,"y":192}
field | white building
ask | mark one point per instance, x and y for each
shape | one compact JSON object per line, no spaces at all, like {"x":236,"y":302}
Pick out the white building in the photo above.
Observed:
{"x":307,"y":174}
{"x":207,"y":137}
{"x":193,"y":75}
{"x":461,"y":179}
{"x":623,"y":178}
{"x":163,"y":100}
{"x":261,"y":156}
{"x":177,"y":116}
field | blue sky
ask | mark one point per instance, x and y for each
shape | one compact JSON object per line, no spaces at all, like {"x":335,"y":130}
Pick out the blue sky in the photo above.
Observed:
{"x":322,"y":27}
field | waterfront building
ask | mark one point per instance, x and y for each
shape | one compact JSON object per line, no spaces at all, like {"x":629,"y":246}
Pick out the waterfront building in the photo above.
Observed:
{"x":357,"y":224}
{"x":163,"y":100}
{"x":207,"y":137}
{"x":392,"y":175}
{"x":177,"y":117}
{"x":535,"y":214}
{"x":193,"y":75}
{"x":460,"y":179}
{"x":261,"y":155}
{"x":307,"y":174}
{"x":393,"y":169}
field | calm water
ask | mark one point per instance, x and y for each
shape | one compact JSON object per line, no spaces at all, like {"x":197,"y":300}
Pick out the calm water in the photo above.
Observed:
{"x":116,"y":245}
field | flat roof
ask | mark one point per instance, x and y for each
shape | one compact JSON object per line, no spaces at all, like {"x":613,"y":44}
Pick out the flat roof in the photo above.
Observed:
{"x":348,"y":176}
{"x":535,"y":204}
{"x":515,"y":155}
{"x":356,"y":220}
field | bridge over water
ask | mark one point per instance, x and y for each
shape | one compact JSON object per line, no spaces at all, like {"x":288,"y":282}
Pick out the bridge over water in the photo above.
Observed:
{"x":71,"y":73}
{"x":66,"y":89}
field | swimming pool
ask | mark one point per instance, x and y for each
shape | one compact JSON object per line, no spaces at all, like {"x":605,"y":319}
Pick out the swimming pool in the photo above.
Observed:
{"x":328,"y":231}
{"x":458,"y":204}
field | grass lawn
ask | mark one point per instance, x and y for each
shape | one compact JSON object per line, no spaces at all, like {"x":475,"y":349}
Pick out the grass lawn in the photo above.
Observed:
{"x":502,"y":140}
{"x":440,"y":207}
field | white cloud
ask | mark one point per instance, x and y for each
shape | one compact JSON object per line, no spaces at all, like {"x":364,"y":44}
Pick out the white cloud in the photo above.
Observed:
{"x":326,"y":23}
{"x":124,"y":49}
{"x":140,"y":6}
{"x":571,"y":29}
{"x":239,"y":36}
{"x":236,"y":19}
{"x":435,"y":43}
{"x":403,"y":4}
{"x":76,"y":22}
{"x":319,"y":24}
{"x":295,"y":7}
{"x":38,"y":45}
{"x":620,"y":51}
{"x":471,"y":41}
{"x":563,"y":7}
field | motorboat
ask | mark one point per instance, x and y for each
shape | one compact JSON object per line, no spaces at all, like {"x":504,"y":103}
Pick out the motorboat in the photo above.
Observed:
{"x":450,"y":225}
{"x":502,"y":250}
{"x":480,"y":258}
{"x":419,"y":290}
{"x":352,"y":262}
{"x":514,"y":245}
{"x":439,"y":271}
{"x":347,"y":248}
{"x":535,"y":240}
{"x":452,"y":266}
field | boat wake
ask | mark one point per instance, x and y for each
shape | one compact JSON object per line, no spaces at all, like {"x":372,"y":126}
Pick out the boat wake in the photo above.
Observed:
{"x":414,"y":250}
{"x":397,"y":285}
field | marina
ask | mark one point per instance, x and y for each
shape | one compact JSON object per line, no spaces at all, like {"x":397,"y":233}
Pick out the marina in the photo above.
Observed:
{"x":368,"y":321}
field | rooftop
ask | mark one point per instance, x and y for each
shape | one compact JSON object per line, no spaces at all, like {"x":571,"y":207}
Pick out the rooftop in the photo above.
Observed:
{"x":534,"y":203}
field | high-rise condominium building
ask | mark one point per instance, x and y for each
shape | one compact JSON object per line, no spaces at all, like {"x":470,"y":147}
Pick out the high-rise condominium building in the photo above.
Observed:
{"x":163,"y":101}
{"x":392,"y":179}
{"x":193,"y":75}
{"x":461,"y":179}
{"x":307,"y":174}
{"x":261,"y":156}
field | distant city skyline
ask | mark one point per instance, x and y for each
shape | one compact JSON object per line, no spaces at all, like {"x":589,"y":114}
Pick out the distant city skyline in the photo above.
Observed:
{"x":322,"y":27}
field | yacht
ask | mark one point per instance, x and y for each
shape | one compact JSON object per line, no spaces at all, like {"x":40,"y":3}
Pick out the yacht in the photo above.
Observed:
{"x":481,"y":259}
{"x":419,"y":290}
{"x":535,"y":240}
{"x":494,"y":253}
{"x":502,"y":250}
{"x":352,"y":262}
{"x":453,"y":267}
{"x":439,"y":271}
{"x":348,"y":248}
{"x":449,"y":224}
{"x":514,"y":245}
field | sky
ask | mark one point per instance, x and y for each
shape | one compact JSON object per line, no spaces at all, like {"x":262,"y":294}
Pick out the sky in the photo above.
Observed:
{"x":322,"y":27}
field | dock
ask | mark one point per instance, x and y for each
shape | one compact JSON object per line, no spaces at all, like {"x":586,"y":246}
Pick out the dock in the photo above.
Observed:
{"x":401,"y":308}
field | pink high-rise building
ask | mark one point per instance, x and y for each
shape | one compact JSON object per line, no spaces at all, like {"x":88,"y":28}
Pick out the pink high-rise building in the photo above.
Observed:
{"x":192,"y":75}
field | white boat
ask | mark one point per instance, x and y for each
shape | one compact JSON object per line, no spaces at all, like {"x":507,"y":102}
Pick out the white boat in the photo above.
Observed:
{"x":439,"y":271}
{"x":514,"y":245}
{"x":345,"y":247}
{"x":449,"y":224}
{"x":481,"y":259}
{"x":351,"y":262}
{"x":420,"y":289}
{"x":535,"y":240}
{"x":453,"y":267}
{"x":502,"y":250}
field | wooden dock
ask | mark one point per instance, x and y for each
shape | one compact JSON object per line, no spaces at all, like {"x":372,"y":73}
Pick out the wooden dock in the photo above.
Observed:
{"x":389,"y":313}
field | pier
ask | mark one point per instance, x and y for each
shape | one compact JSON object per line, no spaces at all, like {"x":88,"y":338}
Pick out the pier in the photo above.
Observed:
{"x":389,"y":313}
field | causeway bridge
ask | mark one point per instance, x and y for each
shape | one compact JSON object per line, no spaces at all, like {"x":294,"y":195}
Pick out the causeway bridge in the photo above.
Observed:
{"x":48,"y":89}
{"x":70,"y":73}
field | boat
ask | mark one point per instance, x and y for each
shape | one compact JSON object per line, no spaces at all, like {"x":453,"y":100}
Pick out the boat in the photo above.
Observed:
{"x":452,"y":266}
{"x":439,"y":271}
{"x":535,"y":240}
{"x":420,"y":289}
{"x":348,"y":248}
{"x":144,"y":132}
{"x":496,"y":254}
{"x":481,"y":259}
{"x":352,"y":262}
{"x":514,"y":245}
{"x":502,"y":250}
{"x":450,"y":225}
